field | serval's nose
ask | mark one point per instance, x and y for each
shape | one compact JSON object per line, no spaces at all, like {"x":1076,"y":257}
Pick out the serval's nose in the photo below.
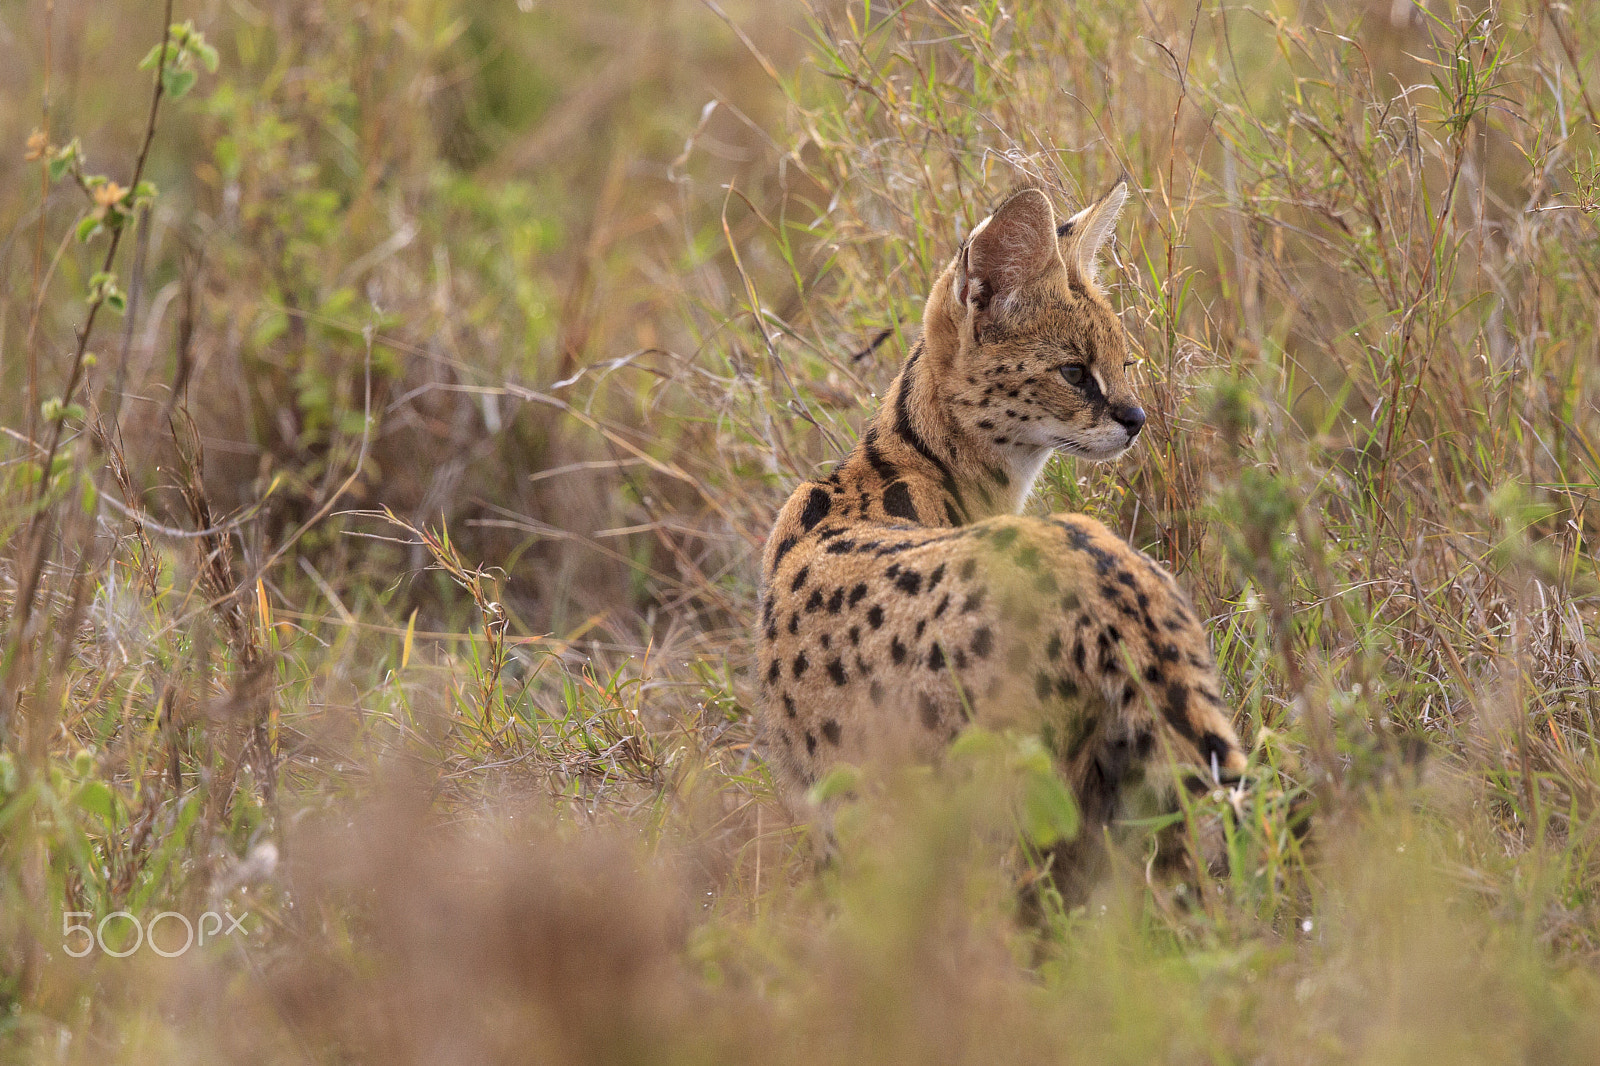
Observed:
{"x":1130,"y":417}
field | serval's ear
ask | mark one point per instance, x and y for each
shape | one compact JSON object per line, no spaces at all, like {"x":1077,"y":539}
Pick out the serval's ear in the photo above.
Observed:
{"x":1085,"y":235}
{"x":1005,"y":251}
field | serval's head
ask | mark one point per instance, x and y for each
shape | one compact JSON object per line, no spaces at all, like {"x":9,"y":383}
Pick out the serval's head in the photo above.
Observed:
{"x":1032,"y":354}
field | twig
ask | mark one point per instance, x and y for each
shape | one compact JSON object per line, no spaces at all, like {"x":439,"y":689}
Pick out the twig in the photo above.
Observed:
{"x":35,"y":537}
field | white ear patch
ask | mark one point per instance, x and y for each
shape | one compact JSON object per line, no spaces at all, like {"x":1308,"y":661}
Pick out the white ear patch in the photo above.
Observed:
{"x":980,"y":227}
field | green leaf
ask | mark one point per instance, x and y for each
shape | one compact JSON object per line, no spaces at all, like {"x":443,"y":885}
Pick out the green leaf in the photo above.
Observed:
{"x":178,"y":82}
{"x":96,"y":797}
{"x":152,"y":57}
{"x":88,"y":228}
{"x":59,"y":164}
{"x":1049,"y":812}
{"x":976,"y":744}
{"x":839,"y":782}
{"x":205,"y":53}
{"x":116,"y":301}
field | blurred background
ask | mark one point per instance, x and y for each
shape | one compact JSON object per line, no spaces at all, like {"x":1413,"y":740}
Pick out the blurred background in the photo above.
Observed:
{"x":379,"y":560}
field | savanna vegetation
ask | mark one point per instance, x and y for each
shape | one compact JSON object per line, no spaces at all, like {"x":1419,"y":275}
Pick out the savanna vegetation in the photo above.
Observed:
{"x":396,"y":396}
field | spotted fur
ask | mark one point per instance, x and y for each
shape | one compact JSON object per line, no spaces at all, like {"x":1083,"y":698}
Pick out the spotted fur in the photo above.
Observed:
{"x":904,"y":597}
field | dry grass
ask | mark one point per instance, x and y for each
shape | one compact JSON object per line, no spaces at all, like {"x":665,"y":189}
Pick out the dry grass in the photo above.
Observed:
{"x":387,"y":582}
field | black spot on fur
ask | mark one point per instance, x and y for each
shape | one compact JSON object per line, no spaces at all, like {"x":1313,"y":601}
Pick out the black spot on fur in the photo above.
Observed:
{"x":1152,"y":673}
{"x":935,"y":577}
{"x":1213,"y":747}
{"x":875,"y":616}
{"x":922,"y":625}
{"x":799,"y":578}
{"x":836,"y":672}
{"x":1005,"y":537}
{"x":1052,"y":648}
{"x":968,"y":568}
{"x":1177,"y":709}
{"x":875,"y":692}
{"x":794,"y":624}
{"x":973,"y":601}
{"x":783,"y":549}
{"x":982,"y":642}
{"x":788,"y":706}
{"x":880,"y":466}
{"x":936,"y":657}
{"x":800,"y":664}
{"x":1079,"y":539}
{"x":826,"y":640}
{"x":906,"y":431}
{"x":1108,"y":654}
{"x":841,"y":547}
{"x":897,"y":502}
{"x":836,"y":601}
{"x":830,"y":732}
{"x":774,"y":672}
{"x":928,"y":711}
{"x":897,"y":650}
{"x":909,"y":582}
{"x":1028,"y":557}
{"x":944,"y":602}
{"x":811,"y":744}
{"x":817,"y":507}
{"x":814,"y":601}
{"x":857,"y":593}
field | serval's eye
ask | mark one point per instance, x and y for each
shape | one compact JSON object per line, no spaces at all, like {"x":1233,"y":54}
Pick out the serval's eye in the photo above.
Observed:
{"x":1074,"y":375}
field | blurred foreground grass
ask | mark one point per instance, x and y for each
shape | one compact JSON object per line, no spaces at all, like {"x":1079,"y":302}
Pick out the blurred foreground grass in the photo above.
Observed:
{"x":378,"y":573}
